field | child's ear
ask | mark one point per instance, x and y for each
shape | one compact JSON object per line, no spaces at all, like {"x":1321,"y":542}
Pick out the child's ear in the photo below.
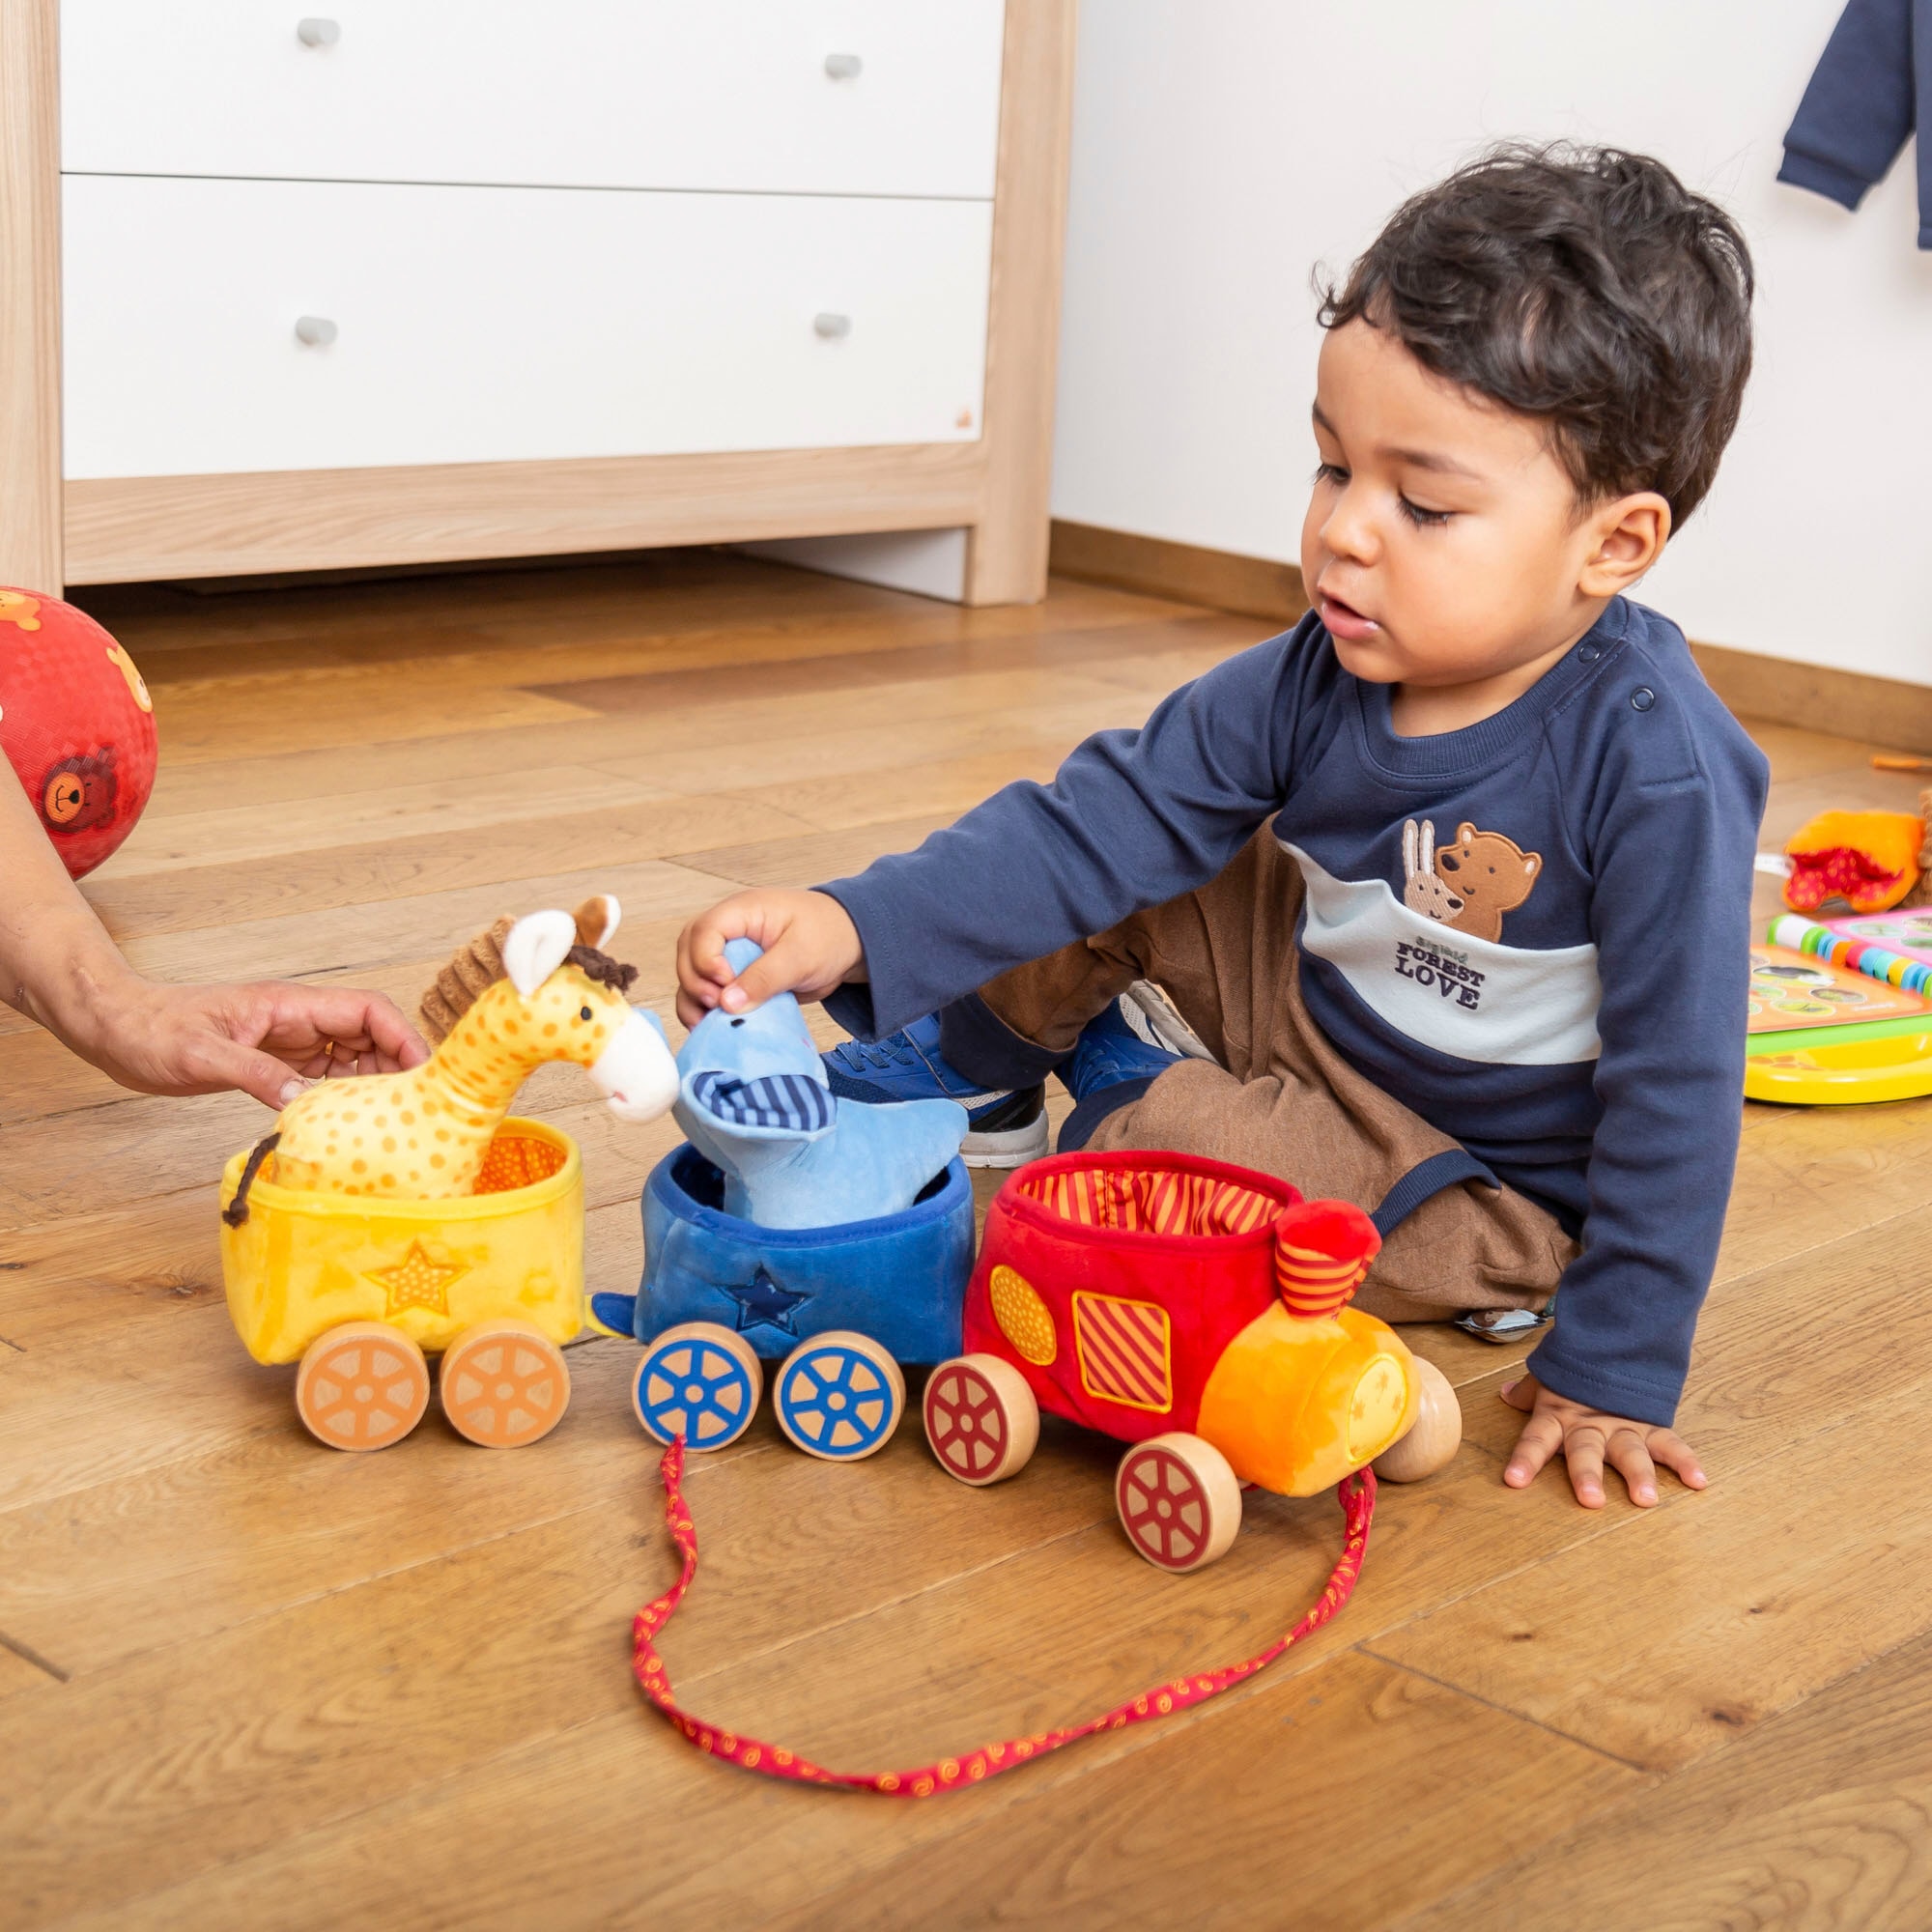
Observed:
{"x":1627,"y":535}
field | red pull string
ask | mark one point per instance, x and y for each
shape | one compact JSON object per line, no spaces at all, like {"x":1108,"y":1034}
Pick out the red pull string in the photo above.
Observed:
{"x":1356,"y":1494}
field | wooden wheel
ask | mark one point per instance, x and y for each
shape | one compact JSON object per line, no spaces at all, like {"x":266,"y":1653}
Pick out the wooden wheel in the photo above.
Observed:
{"x":700,"y":1381}
{"x":503,"y":1384}
{"x":839,"y":1396}
{"x":363,"y":1385}
{"x":1179,"y":1501}
{"x":1433,"y":1436}
{"x":981,"y":1419}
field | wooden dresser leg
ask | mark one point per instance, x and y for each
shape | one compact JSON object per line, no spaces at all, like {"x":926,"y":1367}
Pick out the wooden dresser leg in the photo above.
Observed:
{"x":30,"y":376}
{"x":1006,"y":552}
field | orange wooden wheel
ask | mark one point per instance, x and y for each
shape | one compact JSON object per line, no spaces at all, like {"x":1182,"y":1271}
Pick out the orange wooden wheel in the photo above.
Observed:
{"x":1179,"y":1500}
{"x":1433,"y":1436}
{"x":981,"y":1419}
{"x":504,"y":1384}
{"x":363,"y":1385}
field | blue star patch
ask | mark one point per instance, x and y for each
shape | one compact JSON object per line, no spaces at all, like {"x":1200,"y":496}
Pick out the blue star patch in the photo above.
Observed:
{"x":763,"y":1304}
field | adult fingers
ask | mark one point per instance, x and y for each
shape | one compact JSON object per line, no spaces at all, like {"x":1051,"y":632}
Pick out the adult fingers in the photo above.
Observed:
{"x":213,"y":1063}
{"x":1541,"y":1438}
{"x":1583,"y":1451}
{"x":1671,"y":1450}
{"x":1632,"y":1461}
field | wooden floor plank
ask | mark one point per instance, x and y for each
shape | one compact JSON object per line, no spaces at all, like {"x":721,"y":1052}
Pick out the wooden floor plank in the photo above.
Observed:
{"x":1821,"y":1820}
{"x":294,"y":1688}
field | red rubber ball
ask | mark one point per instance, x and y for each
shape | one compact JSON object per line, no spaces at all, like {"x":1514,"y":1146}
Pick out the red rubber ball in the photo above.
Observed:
{"x":76,"y":725}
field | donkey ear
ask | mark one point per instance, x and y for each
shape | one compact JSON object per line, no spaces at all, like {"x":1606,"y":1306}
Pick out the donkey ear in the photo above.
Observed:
{"x":597,"y":919}
{"x":536,"y":948}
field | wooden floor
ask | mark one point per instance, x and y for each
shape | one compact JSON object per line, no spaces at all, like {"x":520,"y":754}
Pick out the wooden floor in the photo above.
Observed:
{"x":247,"y":1682}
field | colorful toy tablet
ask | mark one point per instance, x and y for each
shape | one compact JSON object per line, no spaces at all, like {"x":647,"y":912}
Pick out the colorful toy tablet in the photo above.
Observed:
{"x":76,"y":724}
{"x":1790,"y":990}
{"x":1888,"y":1060}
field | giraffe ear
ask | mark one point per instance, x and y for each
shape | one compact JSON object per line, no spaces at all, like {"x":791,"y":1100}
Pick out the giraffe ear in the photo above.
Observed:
{"x":597,"y":919}
{"x":536,"y":948}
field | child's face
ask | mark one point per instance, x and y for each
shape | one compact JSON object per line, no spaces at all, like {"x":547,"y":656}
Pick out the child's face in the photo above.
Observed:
{"x":1444,"y":543}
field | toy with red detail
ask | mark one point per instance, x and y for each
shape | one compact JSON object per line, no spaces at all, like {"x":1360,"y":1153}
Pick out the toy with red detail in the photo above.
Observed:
{"x":1199,"y":1313}
{"x":76,"y":725}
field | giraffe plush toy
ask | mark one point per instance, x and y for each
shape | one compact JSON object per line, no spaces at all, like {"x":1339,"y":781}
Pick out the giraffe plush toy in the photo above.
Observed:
{"x":423,"y":1135}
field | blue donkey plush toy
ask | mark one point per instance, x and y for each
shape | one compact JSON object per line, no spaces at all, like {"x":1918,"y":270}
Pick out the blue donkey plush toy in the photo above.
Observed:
{"x":753,"y":1099}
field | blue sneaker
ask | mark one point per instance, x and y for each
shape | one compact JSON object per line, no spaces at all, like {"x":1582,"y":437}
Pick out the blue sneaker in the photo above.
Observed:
{"x":1005,"y":1128}
{"x":1118,"y":1043}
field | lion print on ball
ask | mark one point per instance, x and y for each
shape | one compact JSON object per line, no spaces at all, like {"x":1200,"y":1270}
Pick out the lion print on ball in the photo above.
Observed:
{"x":1469,"y":885}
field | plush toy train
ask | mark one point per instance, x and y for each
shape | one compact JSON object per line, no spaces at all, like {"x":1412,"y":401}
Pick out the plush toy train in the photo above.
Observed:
{"x":402,"y":1212}
{"x":1199,"y":1313}
{"x":795,"y":1226}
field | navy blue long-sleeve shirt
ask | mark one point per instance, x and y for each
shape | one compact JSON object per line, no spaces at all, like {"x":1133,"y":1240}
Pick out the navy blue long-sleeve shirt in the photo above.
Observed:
{"x":1872,"y":86}
{"x":1533,"y":931}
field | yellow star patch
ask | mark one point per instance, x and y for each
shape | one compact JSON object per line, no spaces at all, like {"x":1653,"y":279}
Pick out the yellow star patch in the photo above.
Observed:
{"x":417,"y":1282}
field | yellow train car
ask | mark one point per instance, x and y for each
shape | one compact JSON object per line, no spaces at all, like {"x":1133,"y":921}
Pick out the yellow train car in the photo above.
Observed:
{"x":360,"y":1290}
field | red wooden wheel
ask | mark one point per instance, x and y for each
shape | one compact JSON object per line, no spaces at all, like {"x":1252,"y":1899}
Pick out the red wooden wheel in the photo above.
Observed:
{"x":504,"y":1384}
{"x":1179,"y":1500}
{"x":981,"y":1419}
{"x":363,"y":1385}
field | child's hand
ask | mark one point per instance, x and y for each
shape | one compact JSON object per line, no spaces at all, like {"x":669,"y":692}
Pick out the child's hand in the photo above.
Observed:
{"x":268,"y":1039}
{"x":810,"y":947}
{"x":1586,"y":1439}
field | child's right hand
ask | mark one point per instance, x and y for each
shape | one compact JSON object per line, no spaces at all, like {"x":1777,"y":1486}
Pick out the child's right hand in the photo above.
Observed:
{"x":810,"y":947}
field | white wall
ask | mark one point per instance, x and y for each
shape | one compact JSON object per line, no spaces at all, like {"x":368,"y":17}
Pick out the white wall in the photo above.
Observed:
{"x":1221,"y":148}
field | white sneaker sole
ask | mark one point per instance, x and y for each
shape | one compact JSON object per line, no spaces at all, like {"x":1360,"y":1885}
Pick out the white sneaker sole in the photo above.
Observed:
{"x":1157,"y":1019}
{"x":1012,"y":1147}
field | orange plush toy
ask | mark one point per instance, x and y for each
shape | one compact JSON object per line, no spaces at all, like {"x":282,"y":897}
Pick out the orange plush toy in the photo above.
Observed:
{"x":1868,"y":859}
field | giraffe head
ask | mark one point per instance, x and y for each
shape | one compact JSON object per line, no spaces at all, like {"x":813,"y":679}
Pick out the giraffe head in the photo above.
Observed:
{"x":569,"y":1004}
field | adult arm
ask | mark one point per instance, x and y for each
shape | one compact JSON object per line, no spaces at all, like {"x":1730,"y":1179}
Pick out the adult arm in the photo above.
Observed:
{"x":59,"y":967}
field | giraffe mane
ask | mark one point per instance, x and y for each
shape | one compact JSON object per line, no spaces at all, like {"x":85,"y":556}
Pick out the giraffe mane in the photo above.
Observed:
{"x":477,"y":965}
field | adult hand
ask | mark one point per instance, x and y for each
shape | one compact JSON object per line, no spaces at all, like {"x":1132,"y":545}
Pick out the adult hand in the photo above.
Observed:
{"x":269,"y":1039}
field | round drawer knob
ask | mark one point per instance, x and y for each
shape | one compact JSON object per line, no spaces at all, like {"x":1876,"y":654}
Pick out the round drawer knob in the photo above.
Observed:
{"x":315,"y":33}
{"x":832,"y":327}
{"x":845,"y":66}
{"x":316,"y":330}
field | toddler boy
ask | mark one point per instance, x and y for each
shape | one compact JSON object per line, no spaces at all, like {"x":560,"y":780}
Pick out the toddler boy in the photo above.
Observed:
{"x":1439,"y":902}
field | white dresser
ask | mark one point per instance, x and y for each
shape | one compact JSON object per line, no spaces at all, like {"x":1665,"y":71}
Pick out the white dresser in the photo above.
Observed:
{"x":422,"y":281}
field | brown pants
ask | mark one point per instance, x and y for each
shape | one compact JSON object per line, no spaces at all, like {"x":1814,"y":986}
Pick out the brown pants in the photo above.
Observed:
{"x":1282,"y":1099}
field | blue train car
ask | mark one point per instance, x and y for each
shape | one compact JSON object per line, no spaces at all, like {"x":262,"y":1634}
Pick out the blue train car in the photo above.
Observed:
{"x":838,"y":1309}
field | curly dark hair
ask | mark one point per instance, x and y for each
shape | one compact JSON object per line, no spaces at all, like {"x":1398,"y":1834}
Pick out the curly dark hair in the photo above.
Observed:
{"x":1585,"y":286}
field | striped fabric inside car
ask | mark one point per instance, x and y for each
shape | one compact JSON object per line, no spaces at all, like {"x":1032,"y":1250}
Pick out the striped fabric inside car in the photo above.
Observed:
{"x":794,"y":1101}
{"x":1144,"y":1201}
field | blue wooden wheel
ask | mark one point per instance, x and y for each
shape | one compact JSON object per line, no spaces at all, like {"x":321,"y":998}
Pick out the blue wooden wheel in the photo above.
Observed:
{"x":700,"y":1381}
{"x":839,"y":1396}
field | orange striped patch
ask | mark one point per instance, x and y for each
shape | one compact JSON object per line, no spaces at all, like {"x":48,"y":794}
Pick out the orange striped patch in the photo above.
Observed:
{"x":1151,"y":1201}
{"x":1123,"y":1352}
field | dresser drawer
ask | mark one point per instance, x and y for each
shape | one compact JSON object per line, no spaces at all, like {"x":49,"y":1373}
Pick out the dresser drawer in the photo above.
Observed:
{"x":478,"y":325}
{"x":668,"y":94}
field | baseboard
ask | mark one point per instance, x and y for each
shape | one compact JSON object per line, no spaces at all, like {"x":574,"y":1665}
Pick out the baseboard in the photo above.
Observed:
{"x":1846,"y":703}
{"x":1252,"y":585}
